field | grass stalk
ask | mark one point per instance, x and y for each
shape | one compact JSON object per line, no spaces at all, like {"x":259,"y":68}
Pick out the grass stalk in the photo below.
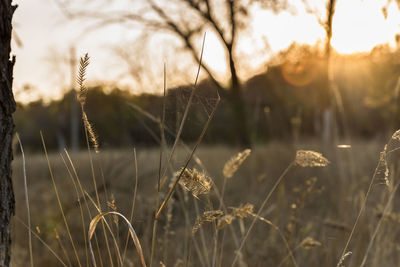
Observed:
{"x":84,"y":200}
{"x":278,"y":181}
{"x":58,"y":200}
{"x":133,"y":202}
{"x":26,"y":201}
{"x":385,"y":212}
{"x":42,"y":241}
{"x":80,"y":208}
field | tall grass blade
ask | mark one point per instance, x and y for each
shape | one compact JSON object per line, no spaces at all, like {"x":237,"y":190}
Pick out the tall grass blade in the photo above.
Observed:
{"x":93,"y":225}
{"x":26,"y":200}
{"x":58,"y":200}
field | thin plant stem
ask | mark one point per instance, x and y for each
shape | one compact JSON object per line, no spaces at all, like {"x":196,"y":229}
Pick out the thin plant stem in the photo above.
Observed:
{"x":62,"y":247}
{"x":42,"y":241}
{"x":185,"y":114}
{"x":95,"y":187}
{"x":278,"y":181}
{"x":84,"y":200}
{"x":162,"y":138}
{"x":58,"y":200}
{"x":385,"y":212}
{"x":363,"y":205}
{"x":80,"y":208}
{"x":190,"y":157}
{"x":133,"y":201}
{"x":26,"y":200}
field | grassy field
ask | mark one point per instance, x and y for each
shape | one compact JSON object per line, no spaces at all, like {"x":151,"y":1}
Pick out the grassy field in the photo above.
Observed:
{"x":306,"y":222}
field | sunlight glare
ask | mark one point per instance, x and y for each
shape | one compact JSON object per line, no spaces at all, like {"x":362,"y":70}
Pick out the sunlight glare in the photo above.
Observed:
{"x":358,"y":26}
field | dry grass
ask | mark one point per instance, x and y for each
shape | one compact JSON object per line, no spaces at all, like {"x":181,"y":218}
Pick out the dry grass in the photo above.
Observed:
{"x":323,"y":208}
{"x":333,"y":215}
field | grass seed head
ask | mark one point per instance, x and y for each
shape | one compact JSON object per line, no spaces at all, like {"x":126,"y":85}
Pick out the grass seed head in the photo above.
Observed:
{"x":243,"y":211}
{"x":308,"y":158}
{"x":208,"y":216}
{"x":80,"y":79}
{"x":196,"y":182}
{"x":309,"y":243}
{"x":396,"y":135}
{"x":232,"y":165}
{"x":225,"y":220}
{"x":92,"y":135}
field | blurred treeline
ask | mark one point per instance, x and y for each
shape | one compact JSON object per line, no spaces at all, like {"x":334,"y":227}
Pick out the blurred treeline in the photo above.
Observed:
{"x":284,"y":102}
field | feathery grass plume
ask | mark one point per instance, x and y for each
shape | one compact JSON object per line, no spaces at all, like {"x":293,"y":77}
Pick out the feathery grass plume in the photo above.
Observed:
{"x":80,"y":79}
{"x":208,"y":216}
{"x":111,"y":205}
{"x":383,"y":169}
{"x":225,"y":220}
{"x":308,"y":158}
{"x":232,"y":165}
{"x":196,"y":182}
{"x":309,"y":243}
{"x":340,"y":264}
{"x":396,"y":135}
{"x":92,"y":135}
{"x":243,"y":211}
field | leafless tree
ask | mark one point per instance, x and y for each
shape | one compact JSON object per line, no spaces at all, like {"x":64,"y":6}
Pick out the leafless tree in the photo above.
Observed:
{"x":7,"y":106}
{"x":187,"y":20}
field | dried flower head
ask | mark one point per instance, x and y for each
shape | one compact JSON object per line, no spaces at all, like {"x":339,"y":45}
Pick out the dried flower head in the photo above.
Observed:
{"x":340,"y":264}
{"x":225,"y":220}
{"x":309,"y":243}
{"x":396,"y":135}
{"x":80,"y":79}
{"x":208,"y":216}
{"x":232,"y":165}
{"x":308,"y":158}
{"x":89,"y":129}
{"x":383,"y":169}
{"x":243,"y":211}
{"x":196,"y":182}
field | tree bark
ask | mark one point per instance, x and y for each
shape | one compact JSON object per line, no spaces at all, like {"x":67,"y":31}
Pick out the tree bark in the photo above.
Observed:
{"x":7,"y":108}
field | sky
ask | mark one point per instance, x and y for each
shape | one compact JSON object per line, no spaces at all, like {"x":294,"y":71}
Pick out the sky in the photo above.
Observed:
{"x":43,"y":67}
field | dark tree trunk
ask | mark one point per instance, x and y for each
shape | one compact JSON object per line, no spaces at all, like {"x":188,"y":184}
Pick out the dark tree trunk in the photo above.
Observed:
{"x":7,"y":108}
{"x":239,"y":113}
{"x":237,"y":103}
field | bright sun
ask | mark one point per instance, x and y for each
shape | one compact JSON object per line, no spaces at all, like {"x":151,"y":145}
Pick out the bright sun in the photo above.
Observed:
{"x":358,"y":26}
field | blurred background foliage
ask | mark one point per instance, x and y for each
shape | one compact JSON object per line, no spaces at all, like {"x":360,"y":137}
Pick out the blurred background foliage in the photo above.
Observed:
{"x":283,"y":102}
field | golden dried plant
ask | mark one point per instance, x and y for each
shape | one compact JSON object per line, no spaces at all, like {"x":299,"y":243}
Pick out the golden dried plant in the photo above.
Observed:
{"x":232,"y":165}
{"x":309,"y":243}
{"x":89,"y":129}
{"x":308,"y":158}
{"x":396,"y":135}
{"x":208,"y":216}
{"x":80,"y":79}
{"x":243,"y":211}
{"x":225,"y":220}
{"x":196,"y":182}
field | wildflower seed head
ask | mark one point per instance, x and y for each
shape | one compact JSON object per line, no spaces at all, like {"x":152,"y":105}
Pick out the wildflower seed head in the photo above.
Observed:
{"x":309,"y":243}
{"x":225,"y":220}
{"x":308,"y":158}
{"x":80,"y":79}
{"x":243,"y":211}
{"x":89,"y":129}
{"x":396,"y":135}
{"x":208,"y":216}
{"x":196,"y":182}
{"x":383,"y":169}
{"x":232,"y":165}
